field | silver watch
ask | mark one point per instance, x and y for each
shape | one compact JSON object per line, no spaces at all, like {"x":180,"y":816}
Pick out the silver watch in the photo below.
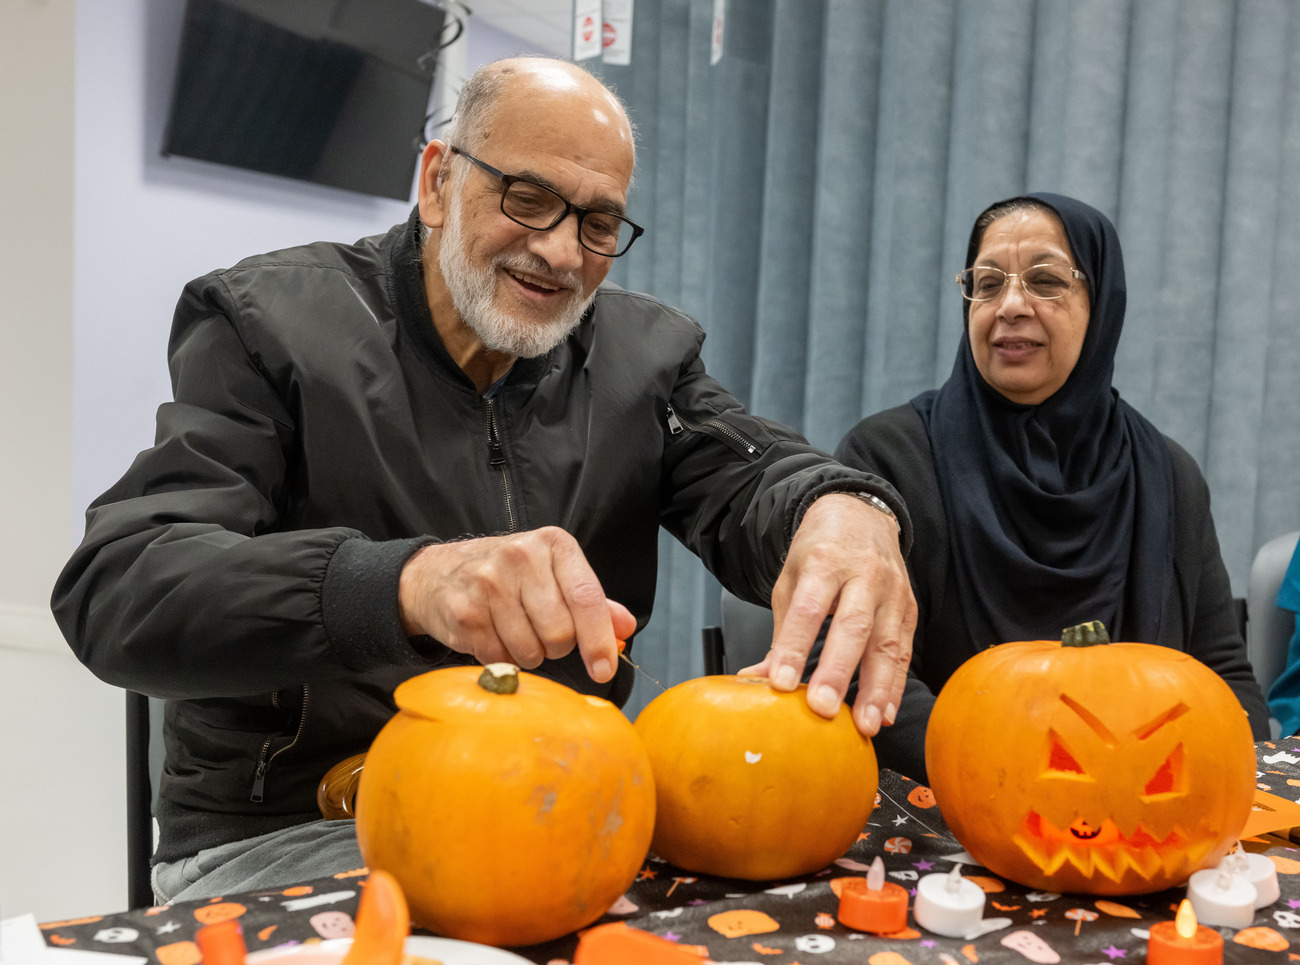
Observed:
{"x":877,"y":503}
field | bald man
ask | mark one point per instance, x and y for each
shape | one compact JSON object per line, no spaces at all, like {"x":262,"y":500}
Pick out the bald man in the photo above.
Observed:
{"x":447,"y":444}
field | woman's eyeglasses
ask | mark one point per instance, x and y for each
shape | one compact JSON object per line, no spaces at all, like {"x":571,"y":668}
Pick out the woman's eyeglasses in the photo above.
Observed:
{"x":984,"y":283}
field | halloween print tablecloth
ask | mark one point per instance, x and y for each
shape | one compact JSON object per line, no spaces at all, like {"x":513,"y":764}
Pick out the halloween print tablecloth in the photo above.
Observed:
{"x":782,"y":922}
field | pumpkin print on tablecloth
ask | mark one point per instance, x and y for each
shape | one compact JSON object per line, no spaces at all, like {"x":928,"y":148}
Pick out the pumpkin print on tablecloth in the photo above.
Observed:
{"x":742,"y":922}
{"x":218,"y":912}
{"x":1263,"y":938}
{"x":1103,"y":768}
{"x":921,"y":796}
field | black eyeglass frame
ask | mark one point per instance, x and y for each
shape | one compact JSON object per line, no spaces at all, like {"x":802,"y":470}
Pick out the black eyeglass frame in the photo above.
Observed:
{"x":569,"y":207}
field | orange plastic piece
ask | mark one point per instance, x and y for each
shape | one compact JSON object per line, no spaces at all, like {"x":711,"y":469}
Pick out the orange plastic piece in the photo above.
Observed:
{"x":383,"y":922}
{"x":618,"y":943}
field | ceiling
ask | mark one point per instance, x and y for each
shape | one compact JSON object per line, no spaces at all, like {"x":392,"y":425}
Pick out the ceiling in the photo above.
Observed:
{"x":545,"y":23}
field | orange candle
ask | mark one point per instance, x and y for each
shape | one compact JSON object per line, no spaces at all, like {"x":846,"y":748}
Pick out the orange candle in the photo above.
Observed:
{"x":872,"y":904}
{"x":1184,"y":942}
{"x":222,"y":943}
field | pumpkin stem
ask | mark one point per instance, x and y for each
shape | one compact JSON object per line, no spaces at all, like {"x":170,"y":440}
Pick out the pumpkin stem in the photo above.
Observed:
{"x":1087,"y":634}
{"x":499,"y":678}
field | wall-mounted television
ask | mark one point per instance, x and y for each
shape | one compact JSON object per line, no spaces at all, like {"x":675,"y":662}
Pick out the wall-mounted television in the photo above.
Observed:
{"x":330,"y":91}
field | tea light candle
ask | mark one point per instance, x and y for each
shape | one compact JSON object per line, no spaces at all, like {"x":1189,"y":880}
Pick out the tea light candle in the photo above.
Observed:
{"x":1258,"y":870}
{"x":948,"y":905}
{"x":1221,"y":898}
{"x":221,"y":944}
{"x":1184,"y":942}
{"x":872,"y":904}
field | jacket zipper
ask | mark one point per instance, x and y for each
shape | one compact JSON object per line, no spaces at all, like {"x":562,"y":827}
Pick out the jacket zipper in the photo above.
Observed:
{"x":497,"y":460}
{"x":264,"y":762}
{"x":677,"y":425}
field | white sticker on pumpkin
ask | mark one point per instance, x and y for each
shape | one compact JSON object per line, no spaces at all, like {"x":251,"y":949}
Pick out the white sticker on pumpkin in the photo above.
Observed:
{"x":752,"y":758}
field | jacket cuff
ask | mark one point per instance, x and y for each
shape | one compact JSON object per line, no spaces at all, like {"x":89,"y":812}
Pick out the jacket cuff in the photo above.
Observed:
{"x":862,"y":483}
{"x":359,"y":604}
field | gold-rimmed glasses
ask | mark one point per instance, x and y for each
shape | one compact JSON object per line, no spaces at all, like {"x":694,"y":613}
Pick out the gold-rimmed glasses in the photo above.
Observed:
{"x":985,"y":283}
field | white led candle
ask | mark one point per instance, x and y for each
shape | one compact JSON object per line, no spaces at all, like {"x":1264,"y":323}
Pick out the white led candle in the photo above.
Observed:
{"x":1221,"y":899}
{"x":1258,"y":870}
{"x":948,"y":904}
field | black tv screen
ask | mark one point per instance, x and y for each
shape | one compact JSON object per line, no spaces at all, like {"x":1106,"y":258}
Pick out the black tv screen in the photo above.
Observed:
{"x":330,"y":91}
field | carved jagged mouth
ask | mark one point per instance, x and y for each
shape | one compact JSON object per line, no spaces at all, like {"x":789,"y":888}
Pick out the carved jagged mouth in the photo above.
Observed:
{"x":1104,"y":850}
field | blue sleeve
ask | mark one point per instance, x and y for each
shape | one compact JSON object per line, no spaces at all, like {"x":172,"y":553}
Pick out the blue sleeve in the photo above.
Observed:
{"x":1288,"y":596}
{"x":1284,"y":695}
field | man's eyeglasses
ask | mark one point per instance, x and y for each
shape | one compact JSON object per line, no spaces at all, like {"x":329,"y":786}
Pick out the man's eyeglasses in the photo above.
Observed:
{"x":983,"y":283}
{"x":535,"y":206}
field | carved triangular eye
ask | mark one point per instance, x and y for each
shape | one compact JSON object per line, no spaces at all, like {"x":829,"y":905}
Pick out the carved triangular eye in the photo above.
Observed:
{"x":1169,"y":778}
{"x":1061,"y":759}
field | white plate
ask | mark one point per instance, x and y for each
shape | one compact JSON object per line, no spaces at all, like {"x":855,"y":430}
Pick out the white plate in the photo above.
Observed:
{"x":447,"y":951}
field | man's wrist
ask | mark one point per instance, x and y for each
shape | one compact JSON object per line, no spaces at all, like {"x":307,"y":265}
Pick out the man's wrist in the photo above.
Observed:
{"x":875,"y":502}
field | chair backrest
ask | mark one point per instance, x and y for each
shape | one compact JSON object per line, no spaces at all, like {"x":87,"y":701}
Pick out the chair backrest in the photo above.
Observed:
{"x":1269,"y":628}
{"x":144,"y":763}
{"x":746,"y":632}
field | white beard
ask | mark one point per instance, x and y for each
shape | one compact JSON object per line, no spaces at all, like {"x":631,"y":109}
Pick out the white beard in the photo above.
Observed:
{"x":473,"y":292}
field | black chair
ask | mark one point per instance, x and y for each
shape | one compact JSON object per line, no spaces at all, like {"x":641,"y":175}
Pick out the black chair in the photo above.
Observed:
{"x":144,"y":758}
{"x":742,"y":640}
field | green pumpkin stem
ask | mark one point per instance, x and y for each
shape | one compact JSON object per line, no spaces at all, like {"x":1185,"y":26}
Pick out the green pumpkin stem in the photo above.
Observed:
{"x":1088,"y":634}
{"x":499,"y":678}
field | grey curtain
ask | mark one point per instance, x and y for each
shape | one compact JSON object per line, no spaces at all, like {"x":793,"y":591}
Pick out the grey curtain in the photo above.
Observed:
{"x":808,"y":199}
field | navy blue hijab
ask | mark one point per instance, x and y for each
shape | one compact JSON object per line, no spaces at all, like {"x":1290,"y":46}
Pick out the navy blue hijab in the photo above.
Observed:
{"x":1060,"y":512}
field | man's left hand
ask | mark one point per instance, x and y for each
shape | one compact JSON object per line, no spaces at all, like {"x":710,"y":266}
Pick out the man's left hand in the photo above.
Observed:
{"x":845,"y":562}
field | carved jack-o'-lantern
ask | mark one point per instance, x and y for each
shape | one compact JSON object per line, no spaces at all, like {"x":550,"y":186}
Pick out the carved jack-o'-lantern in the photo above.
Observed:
{"x":1106,"y":769}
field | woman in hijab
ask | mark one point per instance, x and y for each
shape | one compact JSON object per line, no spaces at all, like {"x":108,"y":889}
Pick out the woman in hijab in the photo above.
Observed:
{"x":1040,"y":499}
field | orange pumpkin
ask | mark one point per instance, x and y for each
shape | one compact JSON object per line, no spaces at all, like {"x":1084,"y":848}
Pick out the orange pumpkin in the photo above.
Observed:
{"x":750,"y":782}
{"x":507,"y":818}
{"x":1106,"y":769}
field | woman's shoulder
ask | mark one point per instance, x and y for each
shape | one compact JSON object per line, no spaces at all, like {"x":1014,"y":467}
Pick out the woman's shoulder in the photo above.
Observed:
{"x":891,"y":437}
{"x":1189,"y":481}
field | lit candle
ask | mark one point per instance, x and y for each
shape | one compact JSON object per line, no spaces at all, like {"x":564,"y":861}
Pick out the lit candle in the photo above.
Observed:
{"x":872,"y":904}
{"x":1184,"y":942}
{"x":1221,"y":898}
{"x":1258,"y":870}
{"x":948,"y":905}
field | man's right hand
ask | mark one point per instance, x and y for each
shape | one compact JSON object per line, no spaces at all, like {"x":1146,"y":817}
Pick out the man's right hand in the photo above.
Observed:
{"x":520,"y":598}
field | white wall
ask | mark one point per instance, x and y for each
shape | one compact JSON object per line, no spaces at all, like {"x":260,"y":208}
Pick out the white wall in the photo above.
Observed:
{"x":89,"y":291}
{"x":49,"y":707}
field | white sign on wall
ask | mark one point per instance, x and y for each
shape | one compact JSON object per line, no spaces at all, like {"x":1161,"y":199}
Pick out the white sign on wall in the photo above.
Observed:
{"x":719,"y":21}
{"x":617,"y":32}
{"x":586,"y":29}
